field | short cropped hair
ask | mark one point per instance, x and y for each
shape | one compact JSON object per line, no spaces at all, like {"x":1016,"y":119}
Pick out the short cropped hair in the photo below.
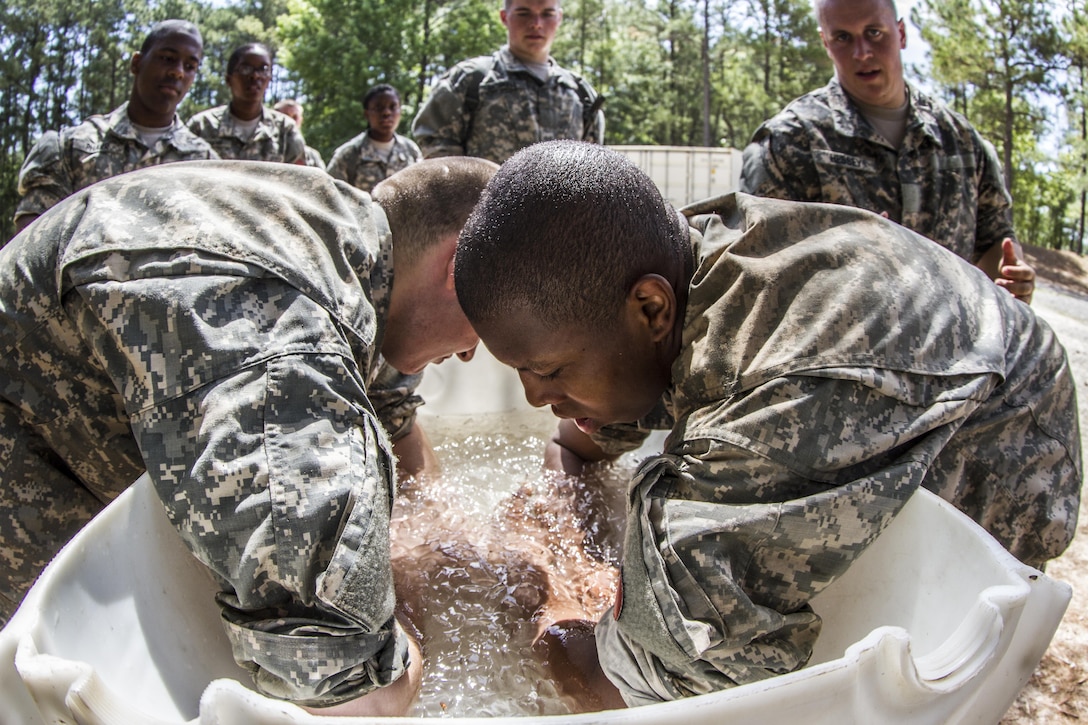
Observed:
{"x":377,"y":91}
{"x":818,"y":8}
{"x":430,"y":201}
{"x":170,"y":27}
{"x":242,"y":51}
{"x":563,"y":231}
{"x":287,"y":105}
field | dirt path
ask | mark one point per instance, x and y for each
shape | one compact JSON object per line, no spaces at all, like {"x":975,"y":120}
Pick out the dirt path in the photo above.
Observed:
{"x":1058,"y":692}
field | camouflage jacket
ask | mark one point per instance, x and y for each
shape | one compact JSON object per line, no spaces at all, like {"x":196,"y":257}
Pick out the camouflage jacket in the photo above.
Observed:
{"x":191,"y":328}
{"x":492,"y":106}
{"x":359,"y":162}
{"x":62,"y":163}
{"x":944,"y":182}
{"x":818,"y":386}
{"x":277,"y":137}
{"x":313,"y":158}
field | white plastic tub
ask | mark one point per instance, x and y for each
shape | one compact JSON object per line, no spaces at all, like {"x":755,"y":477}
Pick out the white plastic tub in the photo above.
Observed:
{"x":935,"y":623}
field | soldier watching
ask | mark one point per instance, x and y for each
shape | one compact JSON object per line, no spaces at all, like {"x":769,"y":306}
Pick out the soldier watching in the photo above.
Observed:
{"x":379,"y":151}
{"x":494,"y":105}
{"x":870,"y":139}
{"x":144,"y":131}
{"x":245,"y":129}
{"x":293,"y":110}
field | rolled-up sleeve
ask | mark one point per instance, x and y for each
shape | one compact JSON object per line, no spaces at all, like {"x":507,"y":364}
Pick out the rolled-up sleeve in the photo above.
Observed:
{"x":43,"y":178}
{"x":253,"y":419}
{"x":733,"y":531}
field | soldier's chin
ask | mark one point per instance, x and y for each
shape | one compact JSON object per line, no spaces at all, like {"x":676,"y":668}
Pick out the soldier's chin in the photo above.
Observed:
{"x":589,"y":426}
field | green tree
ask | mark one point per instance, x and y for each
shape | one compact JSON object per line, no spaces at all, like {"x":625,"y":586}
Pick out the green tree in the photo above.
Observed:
{"x":337,"y":49}
{"x":61,"y":61}
{"x":769,"y":54}
{"x":1074,"y":89}
{"x":987,"y":49}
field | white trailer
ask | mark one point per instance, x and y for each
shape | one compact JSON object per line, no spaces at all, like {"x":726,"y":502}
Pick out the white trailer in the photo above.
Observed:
{"x":687,"y":173}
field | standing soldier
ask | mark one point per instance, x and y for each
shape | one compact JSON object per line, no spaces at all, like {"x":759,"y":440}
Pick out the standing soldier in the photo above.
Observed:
{"x":144,"y":131}
{"x":245,"y":129}
{"x":379,"y":151}
{"x":494,"y":105}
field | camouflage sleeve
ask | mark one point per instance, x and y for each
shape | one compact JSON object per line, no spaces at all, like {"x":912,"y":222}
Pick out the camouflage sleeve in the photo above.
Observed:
{"x":731,"y":534}
{"x":596,"y":129}
{"x":393,"y":395}
{"x":994,"y":221}
{"x":775,"y":160}
{"x":294,"y":145}
{"x":339,"y":165}
{"x":253,"y":421}
{"x":413,"y":148}
{"x":43,"y":179}
{"x":440,"y":126}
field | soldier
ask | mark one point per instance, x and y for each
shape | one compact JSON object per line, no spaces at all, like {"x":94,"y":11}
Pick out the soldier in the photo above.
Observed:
{"x":816,"y":364}
{"x":237,"y":331}
{"x":869,"y":139}
{"x":293,"y":110}
{"x":493,"y":105}
{"x":141,"y":132}
{"x":244,"y":129}
{"x":379,"y":151}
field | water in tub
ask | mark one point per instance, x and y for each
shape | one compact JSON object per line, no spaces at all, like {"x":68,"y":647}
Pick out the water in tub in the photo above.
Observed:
{"x":493,"y":551}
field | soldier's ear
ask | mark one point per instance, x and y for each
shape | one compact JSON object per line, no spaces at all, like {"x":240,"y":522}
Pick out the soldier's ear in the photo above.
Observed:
{"x":134,"y":63}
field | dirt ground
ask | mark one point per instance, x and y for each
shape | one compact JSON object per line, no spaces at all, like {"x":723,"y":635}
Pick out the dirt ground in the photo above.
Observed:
{"x":1058,"y":691}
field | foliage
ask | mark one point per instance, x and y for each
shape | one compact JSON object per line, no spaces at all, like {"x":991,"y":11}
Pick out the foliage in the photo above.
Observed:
{"x":683,"y":72}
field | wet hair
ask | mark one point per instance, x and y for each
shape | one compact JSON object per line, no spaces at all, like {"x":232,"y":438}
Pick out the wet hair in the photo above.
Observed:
{"x":563,"y":231}
{"x":430,"y":201}
{"x":377,"y":91}
{"x":166,"y":28}
{"x":242,"y":51}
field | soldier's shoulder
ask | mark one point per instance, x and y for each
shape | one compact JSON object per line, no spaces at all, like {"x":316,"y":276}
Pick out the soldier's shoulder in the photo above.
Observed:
{"x":207,"y":116}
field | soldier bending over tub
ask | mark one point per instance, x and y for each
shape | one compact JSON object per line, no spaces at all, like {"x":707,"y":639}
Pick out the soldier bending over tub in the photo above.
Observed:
{"x":816,"y":364}
{"x":250,"y":334}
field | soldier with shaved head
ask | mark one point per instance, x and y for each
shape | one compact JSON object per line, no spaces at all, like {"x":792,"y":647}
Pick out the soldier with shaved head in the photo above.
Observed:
{"x":250,"y":335}
{"x":872,"y":140}
{"x":815,"y":364}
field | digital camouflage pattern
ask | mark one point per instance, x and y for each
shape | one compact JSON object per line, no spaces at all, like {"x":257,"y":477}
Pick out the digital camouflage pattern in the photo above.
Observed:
{"x":944,"y":182}
{"x":492,"y":106}
{"x":833,"y":362}
{"x":313,"y":158}
{"x":360,"y":163}
{"x":218,"y":324}
{"x":276,"y":138}
{"x":62,"y":163}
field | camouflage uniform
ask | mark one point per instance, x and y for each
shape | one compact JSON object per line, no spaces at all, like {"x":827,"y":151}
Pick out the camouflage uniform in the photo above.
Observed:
{"x":219,"y":325}
{"x":61,"y":164}
{"x":313,"y":158}
{"x":944,"y":182}
{"x":277,"y":137}
{"x":818,"y":386}
{"x":492,"y":106}
{"x":359,"y":162}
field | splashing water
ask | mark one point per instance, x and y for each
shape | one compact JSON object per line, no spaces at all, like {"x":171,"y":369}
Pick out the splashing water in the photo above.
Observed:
{"x":493,"y":551}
